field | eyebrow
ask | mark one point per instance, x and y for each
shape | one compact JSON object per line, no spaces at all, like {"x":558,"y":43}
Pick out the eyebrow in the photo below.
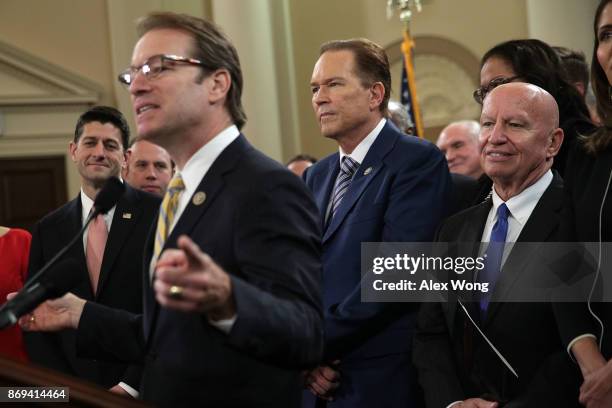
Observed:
{"x":328,"y":80}
{"x":604,"y":27}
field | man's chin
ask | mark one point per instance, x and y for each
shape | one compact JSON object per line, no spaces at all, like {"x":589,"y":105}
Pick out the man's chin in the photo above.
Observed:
{"x":152,"y":190}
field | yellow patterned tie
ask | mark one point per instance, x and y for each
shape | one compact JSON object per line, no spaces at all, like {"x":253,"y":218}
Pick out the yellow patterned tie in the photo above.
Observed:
{"x":167,"y":212}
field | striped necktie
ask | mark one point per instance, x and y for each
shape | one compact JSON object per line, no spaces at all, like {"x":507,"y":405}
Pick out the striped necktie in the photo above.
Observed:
{"x":167,"y":211}
{"x":348,"y":167}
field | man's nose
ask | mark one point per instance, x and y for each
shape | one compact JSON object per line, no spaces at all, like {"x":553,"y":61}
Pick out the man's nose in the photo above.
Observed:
{"x":139,"y":83}
{"x":98,"y":150}
{"x":151,"y":174}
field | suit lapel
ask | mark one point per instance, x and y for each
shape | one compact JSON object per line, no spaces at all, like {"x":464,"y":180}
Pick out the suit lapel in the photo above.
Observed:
{"x":323,"y":190}
{"x":541,"y":224}
{"x":125,"y":218}
{"x":150,"y":306}
{"x":211,"y":186}
{"x":470,"y":232}
{"x":67,"y":228}
{"x":367,"y":171}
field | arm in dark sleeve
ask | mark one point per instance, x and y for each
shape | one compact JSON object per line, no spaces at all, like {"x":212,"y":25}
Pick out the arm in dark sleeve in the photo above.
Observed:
{"x":43,"y":348}
{"x":110,"y":334}
{"x":277,"y":291}
{"x":433,"y":358}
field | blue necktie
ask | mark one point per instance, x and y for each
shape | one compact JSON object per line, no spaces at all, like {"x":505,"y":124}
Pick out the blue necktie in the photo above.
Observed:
{"x":348,"y":167}
{"x":494,"y":254}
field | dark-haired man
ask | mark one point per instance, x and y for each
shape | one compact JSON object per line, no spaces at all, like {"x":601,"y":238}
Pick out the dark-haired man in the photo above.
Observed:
{"x":111,"y":246}
{"x":232,"y":274}
{"x":381,"y":186}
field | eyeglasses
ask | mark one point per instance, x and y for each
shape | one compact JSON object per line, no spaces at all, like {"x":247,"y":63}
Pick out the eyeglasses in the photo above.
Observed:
{"x":154,"y":66}
{"x":480,"y":93}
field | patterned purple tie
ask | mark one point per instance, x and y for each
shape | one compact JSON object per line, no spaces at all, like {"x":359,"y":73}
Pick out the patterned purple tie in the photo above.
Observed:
{"x":348,"y":167}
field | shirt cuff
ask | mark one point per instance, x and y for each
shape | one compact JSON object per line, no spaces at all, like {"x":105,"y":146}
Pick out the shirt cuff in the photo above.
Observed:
{"x":133,"y":393}
{"x":452,"y":404}
{"x":571,"y":344}
{"x":225,"y":325}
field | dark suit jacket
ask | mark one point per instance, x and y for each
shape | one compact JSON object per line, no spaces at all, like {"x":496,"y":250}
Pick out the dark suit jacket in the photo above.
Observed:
{"x":464,"y":191}
{"x":399,"y":193}
{"x":586,"y":187}
{"x":120,"y":284}
{"x":453,"y":360}
{"x":259,"y":223}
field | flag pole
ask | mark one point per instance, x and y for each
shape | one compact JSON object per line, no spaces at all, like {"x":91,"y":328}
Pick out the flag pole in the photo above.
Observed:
{"x":407,"y":46}
{"x":405,"y":14}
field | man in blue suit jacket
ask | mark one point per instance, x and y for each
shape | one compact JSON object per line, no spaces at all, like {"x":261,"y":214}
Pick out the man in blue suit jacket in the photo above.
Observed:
{"x":398,"y":192}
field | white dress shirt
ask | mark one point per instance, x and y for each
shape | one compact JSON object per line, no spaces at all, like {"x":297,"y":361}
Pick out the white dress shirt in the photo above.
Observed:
{"x":520,"y":206}
{"x":358,"y":154}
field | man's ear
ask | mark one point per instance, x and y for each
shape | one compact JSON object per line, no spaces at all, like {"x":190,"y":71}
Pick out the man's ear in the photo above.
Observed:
{"x":377,"y":94}
{"x":72,"y":151}
{"x":220,"y":82}
{"x":556,"y":139}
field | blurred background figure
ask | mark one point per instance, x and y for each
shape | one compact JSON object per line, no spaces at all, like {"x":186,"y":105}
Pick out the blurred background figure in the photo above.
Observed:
{"x":591,"y":103}
{"x":459,"y":143}
{"x":14,"y":253}
{"x":536,"y":62}
{"x":399,"y":116}
{"x":299,"y":163}
{"x":148,"y":168}
{"x":576,"y":68}
{"x":587,"y":183}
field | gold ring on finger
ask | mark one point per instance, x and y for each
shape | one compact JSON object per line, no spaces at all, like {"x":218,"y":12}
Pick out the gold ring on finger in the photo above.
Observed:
{"x":175,"y":292}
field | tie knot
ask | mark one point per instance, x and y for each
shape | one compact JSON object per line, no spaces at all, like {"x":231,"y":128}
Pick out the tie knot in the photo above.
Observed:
{"x":176,"y":184}
{"x":503,"y":212}
{"x":349,"y":165}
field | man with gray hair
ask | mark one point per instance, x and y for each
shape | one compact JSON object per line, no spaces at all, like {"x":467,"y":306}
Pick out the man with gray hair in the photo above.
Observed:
{"x":459,"y":143}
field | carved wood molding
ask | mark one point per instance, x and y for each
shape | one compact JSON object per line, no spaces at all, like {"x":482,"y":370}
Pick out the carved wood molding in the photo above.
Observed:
{"x":31,"y":81}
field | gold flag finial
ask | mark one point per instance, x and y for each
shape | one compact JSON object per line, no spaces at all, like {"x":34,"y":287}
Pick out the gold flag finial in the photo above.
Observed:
{"x":405,"y":9}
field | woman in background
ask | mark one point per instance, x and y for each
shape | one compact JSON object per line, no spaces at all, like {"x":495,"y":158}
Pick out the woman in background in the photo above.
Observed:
{"x":588,"y":180}
{"x":14,"y":254}
{"x":537,"y":63}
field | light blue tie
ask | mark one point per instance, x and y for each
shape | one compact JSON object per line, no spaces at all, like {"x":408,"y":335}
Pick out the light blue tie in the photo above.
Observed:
{"x":494,"y":255}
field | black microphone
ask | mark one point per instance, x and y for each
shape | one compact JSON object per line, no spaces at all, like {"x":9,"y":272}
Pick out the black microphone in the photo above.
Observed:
{"x":59,"y":280}
{"x":107,"y":197}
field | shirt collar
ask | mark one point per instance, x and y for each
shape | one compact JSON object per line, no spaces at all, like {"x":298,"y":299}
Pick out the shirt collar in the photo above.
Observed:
{"x":522,"y":205}
{"x":198,"y":165}
{"x":87,"y":204}
{"x":362,"y":148}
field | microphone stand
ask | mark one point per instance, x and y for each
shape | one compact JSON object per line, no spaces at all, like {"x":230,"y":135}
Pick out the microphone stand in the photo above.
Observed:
{"x":65,"y":249}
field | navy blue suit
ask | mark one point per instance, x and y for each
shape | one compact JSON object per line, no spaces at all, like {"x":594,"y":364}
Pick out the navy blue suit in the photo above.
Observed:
{"x":399,"y":193}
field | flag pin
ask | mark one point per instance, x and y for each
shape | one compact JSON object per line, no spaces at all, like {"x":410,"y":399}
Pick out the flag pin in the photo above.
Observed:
{"x":127,"y":216}
{"x":198,"y":198}
{"x":367,"y":171}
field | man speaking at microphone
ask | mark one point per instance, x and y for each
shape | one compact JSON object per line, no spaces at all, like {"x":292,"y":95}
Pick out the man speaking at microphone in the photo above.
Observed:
{"x":232,"y":308}
{"x":111,"y":248}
